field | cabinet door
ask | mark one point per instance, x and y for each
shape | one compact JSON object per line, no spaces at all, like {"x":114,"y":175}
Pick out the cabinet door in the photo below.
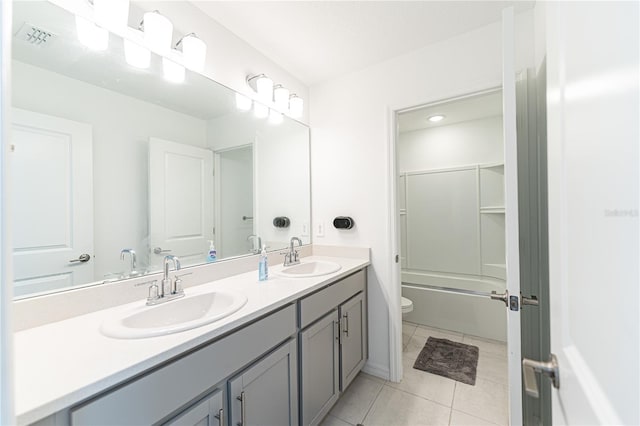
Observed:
{"x":208,"y":412}
{"x":320,"y":368}
{"x":266,"y":393}
{"x":353,"y":343}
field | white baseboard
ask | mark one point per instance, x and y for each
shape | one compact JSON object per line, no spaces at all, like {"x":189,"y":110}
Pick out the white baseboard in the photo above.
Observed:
{"x":376,"y":370}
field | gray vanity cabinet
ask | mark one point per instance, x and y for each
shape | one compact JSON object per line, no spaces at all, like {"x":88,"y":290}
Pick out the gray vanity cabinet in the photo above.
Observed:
{"x":320,"y":367}
{"x":333,"y":344}
{"x":353,"y":351}
{"x":266,"y":393}
{"x":208,"y":412}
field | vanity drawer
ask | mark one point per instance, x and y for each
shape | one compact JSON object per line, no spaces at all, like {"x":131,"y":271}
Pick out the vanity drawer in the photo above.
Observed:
{"x":316,"y":305}
{"x":153,"y":397}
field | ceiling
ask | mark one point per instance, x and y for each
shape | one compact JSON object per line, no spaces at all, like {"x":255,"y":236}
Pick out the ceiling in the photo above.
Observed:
{"x":319,"y":40}
{"x":454,"y":111}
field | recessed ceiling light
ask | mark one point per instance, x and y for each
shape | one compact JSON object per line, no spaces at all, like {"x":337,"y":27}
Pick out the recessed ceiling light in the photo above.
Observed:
{"x":436,"y":118}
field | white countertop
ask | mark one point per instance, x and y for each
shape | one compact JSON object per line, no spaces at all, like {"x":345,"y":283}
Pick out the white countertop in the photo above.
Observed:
{"x":60,"y":364}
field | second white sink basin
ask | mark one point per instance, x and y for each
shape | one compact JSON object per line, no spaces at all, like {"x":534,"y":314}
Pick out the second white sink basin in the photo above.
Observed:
{"x":314,"y":268}
{"x":174,"y":316}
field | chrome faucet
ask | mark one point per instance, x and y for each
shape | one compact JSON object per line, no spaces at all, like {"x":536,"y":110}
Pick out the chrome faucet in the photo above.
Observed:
{"x":169,"y":289}
{"x":132,"y":253}
{"x":291,"y":258}
{"x":253,"y":238}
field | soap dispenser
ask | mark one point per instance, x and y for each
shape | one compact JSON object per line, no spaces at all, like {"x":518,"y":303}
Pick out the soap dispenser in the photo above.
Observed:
{"x":212,"y":254}
{"x":263,"y":266}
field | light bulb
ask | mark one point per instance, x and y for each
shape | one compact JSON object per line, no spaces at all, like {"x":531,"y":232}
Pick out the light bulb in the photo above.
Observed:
{"x":91,"y":35}
{"x":158,"y":31}
{"x":111,"y":13}
{"x":275,"y":117}
{"x":136,"y":55}
{"x":243,"y":103}
{"x":172,"y":72}
{"x":264,"y":87}
{"x":260,"y":111}
{"x":194,"y":51}
{"x":296,"y":105}
{"x":281,"y":97}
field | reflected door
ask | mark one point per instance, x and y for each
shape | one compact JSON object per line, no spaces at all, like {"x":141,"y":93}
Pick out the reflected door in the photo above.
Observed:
{"x":52,"y":200}
{"x":180,"y":201}
{"x":235,"y":208}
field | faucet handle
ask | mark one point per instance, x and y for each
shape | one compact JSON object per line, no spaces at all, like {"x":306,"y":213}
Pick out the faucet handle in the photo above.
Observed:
{"x":153,"y":292}
{"x":177,"y":286}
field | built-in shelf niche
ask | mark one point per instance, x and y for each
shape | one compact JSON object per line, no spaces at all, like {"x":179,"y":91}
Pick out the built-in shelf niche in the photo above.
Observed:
{"x":492,"y":217}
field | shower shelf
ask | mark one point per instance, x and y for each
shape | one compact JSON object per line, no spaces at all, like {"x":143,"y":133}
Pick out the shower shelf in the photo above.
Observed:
{"x":492,"y":209}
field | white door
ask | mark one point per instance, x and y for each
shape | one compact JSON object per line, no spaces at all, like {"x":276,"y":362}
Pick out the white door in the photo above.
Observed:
{"x":511,"y":217}
{"x":180,"y":201}
{"x":593,"y":137}
{"x":52,"y":202}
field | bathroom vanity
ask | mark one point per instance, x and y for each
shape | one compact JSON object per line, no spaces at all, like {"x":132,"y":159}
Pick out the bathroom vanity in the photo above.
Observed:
{"x":282,"y":359}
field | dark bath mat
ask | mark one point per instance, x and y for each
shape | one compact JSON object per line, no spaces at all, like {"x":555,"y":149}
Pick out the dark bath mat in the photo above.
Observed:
{"x":445,"y":358}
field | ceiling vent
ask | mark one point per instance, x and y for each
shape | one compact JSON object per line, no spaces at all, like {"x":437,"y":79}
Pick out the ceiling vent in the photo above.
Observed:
{"x":34,"y":35}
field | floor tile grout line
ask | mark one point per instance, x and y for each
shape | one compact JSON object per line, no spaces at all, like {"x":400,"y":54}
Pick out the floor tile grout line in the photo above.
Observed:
{"x":418,"y":396}
{"x":481,"y":418}
{"x":372,"y":404}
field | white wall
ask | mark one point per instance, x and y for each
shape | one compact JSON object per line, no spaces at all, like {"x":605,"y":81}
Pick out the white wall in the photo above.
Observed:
{"x":460,"y":144}
{"x":350,"y":121}
{"x":121,"y":126}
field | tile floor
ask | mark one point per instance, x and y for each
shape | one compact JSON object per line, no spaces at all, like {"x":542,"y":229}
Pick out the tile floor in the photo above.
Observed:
{"x":423,"y":398}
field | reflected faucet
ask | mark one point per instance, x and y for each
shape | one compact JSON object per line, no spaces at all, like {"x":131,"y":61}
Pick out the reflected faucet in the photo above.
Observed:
{"x":132,"y":253}
{"x":291,"y":258}
{"x":253,"y":238}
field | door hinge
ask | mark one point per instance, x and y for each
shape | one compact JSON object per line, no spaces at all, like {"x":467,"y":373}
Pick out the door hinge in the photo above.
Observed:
{"x":397,"y":258}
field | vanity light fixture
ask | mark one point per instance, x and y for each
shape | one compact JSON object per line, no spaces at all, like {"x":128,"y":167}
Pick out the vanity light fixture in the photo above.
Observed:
{"x":260,"y":111}
{"x":262,"y":85}
{"x":91,"y":35}
{"x":158,"y":31}
{"x":172,"y":71}
{"x":435,"y":118}
{"x":136,"y":55}
{"x":275,"y":117}
{"x":296,"y":106}
{"x":194,"y":51}
{"x":111,"y":13}
{"x":281,"y":97}
{"x":243,"y":103}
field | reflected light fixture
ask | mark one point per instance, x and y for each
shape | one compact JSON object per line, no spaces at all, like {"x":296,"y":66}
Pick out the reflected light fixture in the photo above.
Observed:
{"x":91,"y":35}
{"x":158,"y":31}
{"x":262,"y":85}
{"x":275,"y":117}
{"x":194,"y":51}
{"x":172,"y":71}
{"x":260,"y":111}
{"x":281,"y":97}
{"x":296,"y":106}
{"x":243,"y":103}
{"x":136,"y":55}
{"x":111,"y":13}
{"x":435,"y":118}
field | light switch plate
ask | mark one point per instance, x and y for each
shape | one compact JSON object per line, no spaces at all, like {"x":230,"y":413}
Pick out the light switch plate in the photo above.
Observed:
{"x":305,"y":229}
{"x":320,"y":229}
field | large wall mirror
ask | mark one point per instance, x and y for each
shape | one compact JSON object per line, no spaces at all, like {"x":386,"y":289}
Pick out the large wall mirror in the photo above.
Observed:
{"x":111,"y":163}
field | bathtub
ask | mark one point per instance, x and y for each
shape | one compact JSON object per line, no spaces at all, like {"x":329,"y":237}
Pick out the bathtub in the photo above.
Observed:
{"x":456,"y":302}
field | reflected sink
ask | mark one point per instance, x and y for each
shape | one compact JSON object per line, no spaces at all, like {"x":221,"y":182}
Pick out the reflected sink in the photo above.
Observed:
{"x":174,"y":316}
{"x":314,"y":268}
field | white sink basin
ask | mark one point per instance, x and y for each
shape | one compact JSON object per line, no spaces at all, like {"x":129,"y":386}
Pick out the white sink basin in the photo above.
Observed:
{"x":314,"y":268}
{"x":174,"y":316}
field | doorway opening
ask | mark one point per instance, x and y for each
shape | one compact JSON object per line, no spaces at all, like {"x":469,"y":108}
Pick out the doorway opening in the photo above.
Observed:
{"x":451,"y":238}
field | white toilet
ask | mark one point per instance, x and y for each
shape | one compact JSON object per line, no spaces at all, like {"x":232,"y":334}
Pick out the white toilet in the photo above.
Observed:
{"x":407,"y":305}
